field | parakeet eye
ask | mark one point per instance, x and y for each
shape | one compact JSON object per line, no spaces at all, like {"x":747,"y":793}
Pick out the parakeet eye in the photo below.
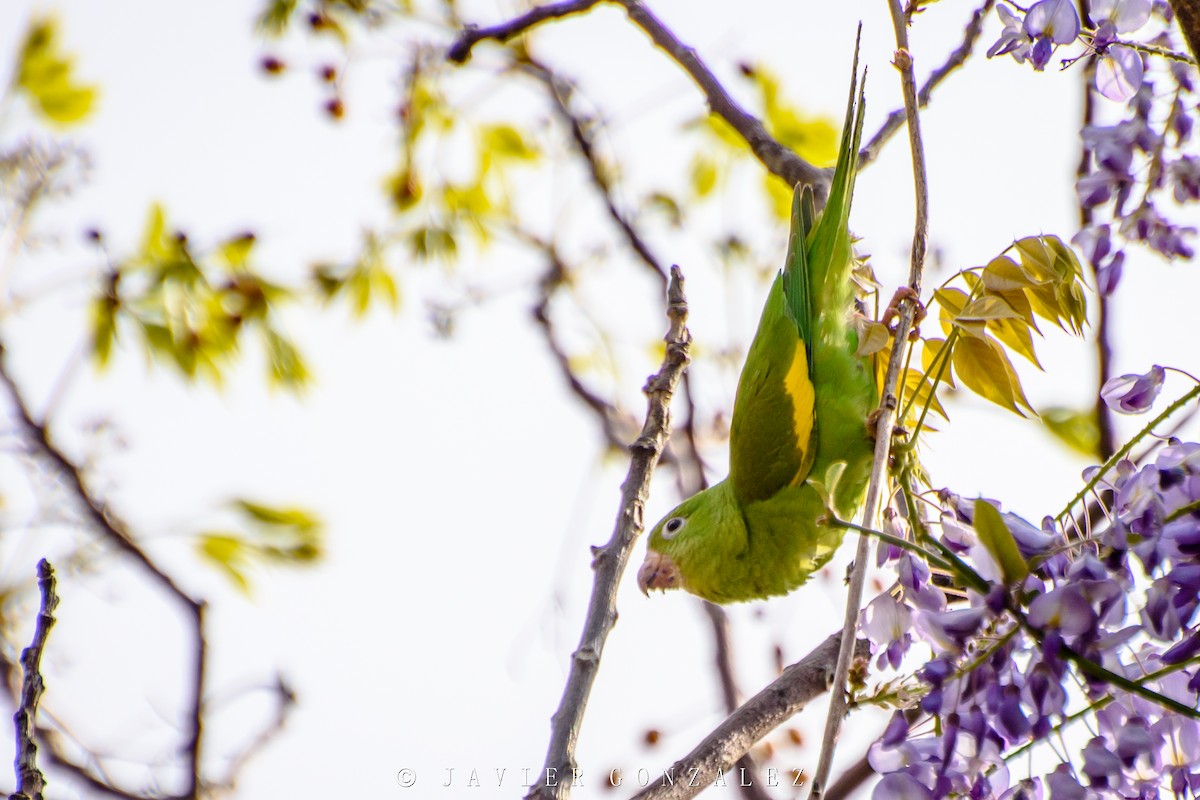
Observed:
{"x":673,"y":526}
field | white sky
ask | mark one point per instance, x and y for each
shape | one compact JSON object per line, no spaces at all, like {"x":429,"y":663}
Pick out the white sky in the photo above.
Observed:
{"x":460,"y":485}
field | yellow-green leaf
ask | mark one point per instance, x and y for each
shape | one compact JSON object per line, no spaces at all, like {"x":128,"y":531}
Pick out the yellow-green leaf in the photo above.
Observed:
{"x":1003,"y":275}
{"x":1078,"y":429}
{"x":999,"y":542}
{"x":872,"y":337}
{"x":1014,"y":334}
{"x":235,"y":252}
{"x":284,"y":516}
{"x":933,"y":361}
{"x":287,"y":367}
{"x":228,"y":553}
{"x":45,"y":73}
{"x":986,"y":308}
{"x":983,"y":368}
{"x":703,"y":175}
{"x":506,"y":141}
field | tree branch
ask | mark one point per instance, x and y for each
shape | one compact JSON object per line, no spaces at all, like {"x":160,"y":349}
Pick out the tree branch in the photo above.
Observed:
{"x":610,"y":560}
{"x":30,"y":781}
{"x":112,"y":529}
{"x":779,"y":160}
{"x":887,"y":406}
{"x":460,"y":51}
{"x":953,"y":61}
{"x":778,"y":702}
{"x":1187,"y":12}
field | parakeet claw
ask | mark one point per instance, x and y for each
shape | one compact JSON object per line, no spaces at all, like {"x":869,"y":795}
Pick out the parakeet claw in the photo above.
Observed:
{"x":892,"y":311}
{"x":657,"y":572}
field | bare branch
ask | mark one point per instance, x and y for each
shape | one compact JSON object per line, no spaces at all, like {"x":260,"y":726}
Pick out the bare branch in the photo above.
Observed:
{"x":799,"y":684}
{"x":30,"y":781}
{"x":617,"y":426}
{"x":885,"y":417}
{"x":114,"y":530}
{"x":953,"y":61}
{"x":460,"y":51}
{"x":609,"y":561}
{"x":779,"y":160}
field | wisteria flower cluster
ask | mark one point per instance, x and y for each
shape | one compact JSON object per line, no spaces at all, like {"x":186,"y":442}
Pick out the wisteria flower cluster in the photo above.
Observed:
{"x":1129,"y":165}
{"x":1078,"y":640}
{"x":1035,"y":35}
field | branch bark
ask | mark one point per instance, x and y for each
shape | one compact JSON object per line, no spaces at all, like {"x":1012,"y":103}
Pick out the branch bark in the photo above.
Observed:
{"x":888,"y":402}
{"x":112,"y":529}
{"x":953,"y":61}
{"x":799,"y":684}
{"x":460,"y":51}
{"x":609,"y":561}
{"x":30,"y":781}
{"x":779,"y":160}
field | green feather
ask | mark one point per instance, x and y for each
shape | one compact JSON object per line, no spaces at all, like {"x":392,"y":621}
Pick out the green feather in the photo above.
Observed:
{"x":801,"y":407}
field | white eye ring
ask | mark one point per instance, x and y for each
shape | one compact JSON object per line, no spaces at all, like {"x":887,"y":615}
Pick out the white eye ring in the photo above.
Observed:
{"x":672,"y":527}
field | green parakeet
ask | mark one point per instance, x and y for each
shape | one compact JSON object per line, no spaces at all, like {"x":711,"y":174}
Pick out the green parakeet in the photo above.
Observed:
{"x":801,"y":407}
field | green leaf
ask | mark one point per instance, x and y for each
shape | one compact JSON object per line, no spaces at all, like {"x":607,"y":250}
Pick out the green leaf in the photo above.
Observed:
{"x":45,"y":73}
{"x":703,"y":175}
{"x":287,"y":367}
{"x":506,"y":141}
{"x":1014,"y":334}
{"x":986,"y":308}
{"x":983,"y":368}
{"x":1002,"y":274}
{"x":1078,"y":429}
{"x":228,"y":553}
{"x":999,"y":541}
{"x":279,"y":516}
{"x":104,"y":327}
{"x":276,"y":17}
{"x":872,"y":337}
{"x":235,"y":252}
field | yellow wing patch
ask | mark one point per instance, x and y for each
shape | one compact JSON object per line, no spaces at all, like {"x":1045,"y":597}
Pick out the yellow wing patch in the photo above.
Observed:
{"x":799,"y":387}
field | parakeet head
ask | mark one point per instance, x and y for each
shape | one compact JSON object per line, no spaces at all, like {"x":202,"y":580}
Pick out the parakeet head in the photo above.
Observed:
{"x":695,"y":546}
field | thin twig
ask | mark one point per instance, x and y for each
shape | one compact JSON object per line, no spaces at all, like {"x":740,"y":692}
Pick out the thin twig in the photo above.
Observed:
{"x":30,"y":781}
{"x":617,"y":427}
{"x":609,"y":561}
{"x":799,"y":684}
{"x":779,"y":160}
{"x":114,"y":530}
{"x":953,"y":61}
{"x":561,"y":92}
{"x":888,"y":402}
{"x":460,"y":51}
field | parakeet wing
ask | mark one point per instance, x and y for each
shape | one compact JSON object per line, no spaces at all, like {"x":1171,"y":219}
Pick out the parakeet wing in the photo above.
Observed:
{"x":773,"y":434}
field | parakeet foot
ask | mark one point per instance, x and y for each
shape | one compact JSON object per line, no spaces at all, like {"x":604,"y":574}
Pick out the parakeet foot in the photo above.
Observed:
{"x":892,"y":311}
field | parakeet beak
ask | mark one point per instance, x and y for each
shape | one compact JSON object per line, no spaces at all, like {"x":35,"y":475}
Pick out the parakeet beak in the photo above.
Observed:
{"x":657,"y":572}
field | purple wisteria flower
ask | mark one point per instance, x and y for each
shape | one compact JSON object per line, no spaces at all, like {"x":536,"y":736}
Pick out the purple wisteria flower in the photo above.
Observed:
{"x":1133,"y":394}
{"x":1105,"y":628}
{"x":1119,"y":70}
{"x":1050,"y":23}
{"x":1013,"y":39}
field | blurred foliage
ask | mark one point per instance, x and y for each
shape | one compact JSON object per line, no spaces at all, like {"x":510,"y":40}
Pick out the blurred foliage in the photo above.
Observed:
{"x":47,"y":75}
{"x":191,"y":312}
{"x":266,"y":536}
